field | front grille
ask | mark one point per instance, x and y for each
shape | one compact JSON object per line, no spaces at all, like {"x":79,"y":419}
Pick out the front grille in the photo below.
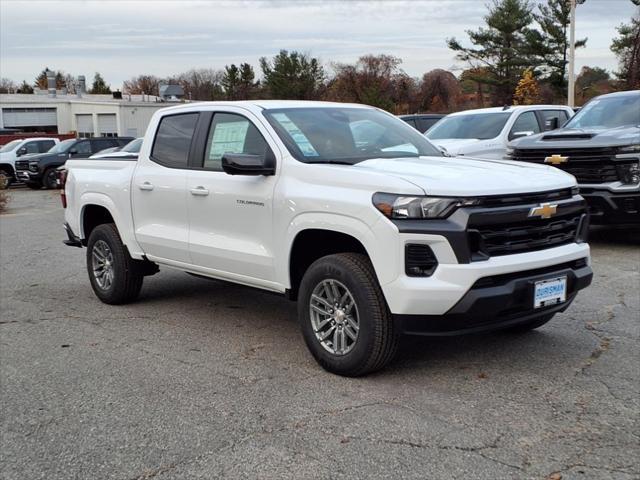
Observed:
{"x":522,"y":235}
{"x":588,"y":165}
{"x":22,"y":165}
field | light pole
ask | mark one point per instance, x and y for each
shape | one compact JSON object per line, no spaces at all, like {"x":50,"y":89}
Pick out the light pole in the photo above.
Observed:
{"x":571,"y":100}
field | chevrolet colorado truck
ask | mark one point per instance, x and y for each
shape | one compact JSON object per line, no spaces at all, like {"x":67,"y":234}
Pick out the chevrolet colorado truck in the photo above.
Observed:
{"x":346,"y":209}
{"x":600,"y":146}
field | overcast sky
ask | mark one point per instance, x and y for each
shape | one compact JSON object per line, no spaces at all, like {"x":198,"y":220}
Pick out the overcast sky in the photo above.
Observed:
{"x":121,"y":39}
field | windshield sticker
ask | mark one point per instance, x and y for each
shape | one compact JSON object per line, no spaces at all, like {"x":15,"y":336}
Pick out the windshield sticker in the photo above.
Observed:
{"x":301,"y":140}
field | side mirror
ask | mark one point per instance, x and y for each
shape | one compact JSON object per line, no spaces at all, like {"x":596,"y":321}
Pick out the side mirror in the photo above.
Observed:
{"x":551,"y":124}
{"x":444,"y":151}
{"x":21,"y":151}
{"x":521,"y":134}
{"x":249,"y":164}
{"x":73,"y":151}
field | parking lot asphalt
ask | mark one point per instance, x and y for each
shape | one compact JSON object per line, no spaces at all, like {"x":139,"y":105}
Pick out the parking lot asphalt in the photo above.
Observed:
{"x":203,"y":379}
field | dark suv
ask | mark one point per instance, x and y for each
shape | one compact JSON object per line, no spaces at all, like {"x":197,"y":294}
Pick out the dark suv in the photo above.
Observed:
{"x":40,"y":170}
{"x":422,"y":121}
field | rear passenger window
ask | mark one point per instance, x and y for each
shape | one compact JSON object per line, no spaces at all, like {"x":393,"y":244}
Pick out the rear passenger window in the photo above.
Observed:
{"x":45,"y":145}
{"x":549,"y":115}
{"x":173,"y":140}
{"x":231,"y":133}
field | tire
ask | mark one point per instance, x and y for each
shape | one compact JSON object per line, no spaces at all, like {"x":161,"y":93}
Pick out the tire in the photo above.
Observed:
{"x":6,"y":178}
{"x":34,"y":185}
{"x":376,"y":338}
{"x":531,"y":325}
{"x":122,"y":277}
{"x":50,"y":178}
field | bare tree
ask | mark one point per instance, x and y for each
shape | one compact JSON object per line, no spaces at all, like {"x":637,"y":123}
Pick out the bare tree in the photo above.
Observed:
{"x":440,"y":91}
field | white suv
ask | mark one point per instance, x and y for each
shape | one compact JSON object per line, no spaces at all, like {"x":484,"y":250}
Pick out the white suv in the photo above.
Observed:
{"x":485,"y":132}
{"x":10,"y":152}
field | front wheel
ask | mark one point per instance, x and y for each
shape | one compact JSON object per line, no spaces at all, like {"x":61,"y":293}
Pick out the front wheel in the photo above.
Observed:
{"x":115,"y":277}
{"x":50,"y":178}
{"x":344,"y":318}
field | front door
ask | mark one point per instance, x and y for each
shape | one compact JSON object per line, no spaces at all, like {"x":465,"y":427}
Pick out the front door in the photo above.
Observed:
{"x":159,"y":193}
{"x":231,"y":215}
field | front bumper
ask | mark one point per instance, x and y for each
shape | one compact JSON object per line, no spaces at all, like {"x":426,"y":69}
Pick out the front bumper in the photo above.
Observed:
{"x":609,"y":207}
{"x":27,"y":176}
{"x":499,"y":301}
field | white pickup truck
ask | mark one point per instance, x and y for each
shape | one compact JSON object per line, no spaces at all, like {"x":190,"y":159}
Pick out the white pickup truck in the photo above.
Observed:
{"x":343,"y":207}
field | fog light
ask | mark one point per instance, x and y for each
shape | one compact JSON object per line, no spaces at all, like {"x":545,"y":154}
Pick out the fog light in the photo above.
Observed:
{"x":420,"y":261}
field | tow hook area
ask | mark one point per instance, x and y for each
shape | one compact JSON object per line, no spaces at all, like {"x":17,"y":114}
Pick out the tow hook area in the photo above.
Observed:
{"x":72,"y":240}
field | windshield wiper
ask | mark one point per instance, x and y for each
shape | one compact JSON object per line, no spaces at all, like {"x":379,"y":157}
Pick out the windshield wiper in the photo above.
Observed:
{"x":332,"y":162}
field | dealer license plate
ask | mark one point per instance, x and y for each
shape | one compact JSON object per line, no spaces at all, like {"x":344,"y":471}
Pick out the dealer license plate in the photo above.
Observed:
{"x":550,"y":292}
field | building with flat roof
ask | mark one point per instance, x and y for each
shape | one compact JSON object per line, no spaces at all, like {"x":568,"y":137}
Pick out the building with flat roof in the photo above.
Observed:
{"x":86,"y":115}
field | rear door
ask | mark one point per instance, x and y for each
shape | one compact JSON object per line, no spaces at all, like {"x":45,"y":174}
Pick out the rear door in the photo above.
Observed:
{"x":158,"y":190}
{"x":230,"y":216}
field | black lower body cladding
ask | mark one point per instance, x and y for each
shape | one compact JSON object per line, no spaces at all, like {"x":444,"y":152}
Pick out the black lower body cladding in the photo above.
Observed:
{"x":499,"y":302}
{"x":609,"y":208}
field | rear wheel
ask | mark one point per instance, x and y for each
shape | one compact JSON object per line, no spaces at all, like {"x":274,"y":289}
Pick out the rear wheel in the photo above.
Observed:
{"x":343,"y":315}
{"x":531,"y":325}
{"x":115,"y":277}
{"x":50,"y":178}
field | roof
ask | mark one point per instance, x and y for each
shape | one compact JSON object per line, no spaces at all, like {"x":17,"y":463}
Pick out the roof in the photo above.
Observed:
{"x":625,"y":93}
{"x":171,"y":91}
{"x":9,"y":98}
{"x":423,"y":115}
{"x":267,"y":104}
{"x":509,"y":108}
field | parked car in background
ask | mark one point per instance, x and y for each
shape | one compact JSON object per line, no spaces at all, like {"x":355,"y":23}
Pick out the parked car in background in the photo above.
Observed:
{"x":40,"y":170}
{"x":600,"y":146}
{"x":342,"y":207}
{"x":485,"y":132}
{"x":422,"y":121}
{"x":15,"y":149}
{"x":130,"y":150}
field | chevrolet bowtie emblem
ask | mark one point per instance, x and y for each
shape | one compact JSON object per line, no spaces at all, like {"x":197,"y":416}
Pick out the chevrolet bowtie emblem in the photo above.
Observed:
{"x":545,"y":210}
{"x":556,"y":159}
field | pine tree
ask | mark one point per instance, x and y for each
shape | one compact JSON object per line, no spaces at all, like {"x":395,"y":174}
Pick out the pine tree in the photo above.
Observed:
{"x":292,"y":75}
{"x":527,"y":92}
{"x":504,"y":48}
{"x":230,"y":81}
{"x":99,"y":86}
{"x":627,"y":48}
{"x":553,"y":43}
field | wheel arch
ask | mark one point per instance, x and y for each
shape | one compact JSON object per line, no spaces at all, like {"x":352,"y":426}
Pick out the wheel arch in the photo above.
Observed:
{"x":322,"y":234}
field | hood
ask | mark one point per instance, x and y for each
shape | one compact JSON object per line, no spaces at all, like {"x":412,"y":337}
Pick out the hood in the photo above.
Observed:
{"x":118,"y":154}
{"x":468,"y":176}
{"x":581,"y":138}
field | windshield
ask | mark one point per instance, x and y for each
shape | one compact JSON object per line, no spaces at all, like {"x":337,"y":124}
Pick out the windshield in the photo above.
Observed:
{"x":481,"y":126}
{"x":9,"y":147}
{"x":133,"y":146}
{"x":608,"y":112}
{"x":63,"y":146}
{"x":346,"y":135}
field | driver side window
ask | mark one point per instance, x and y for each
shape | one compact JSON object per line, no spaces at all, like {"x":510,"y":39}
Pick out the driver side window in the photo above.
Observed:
{"x":82,"y":148}
{"x":232,"y":133}
{"x":526,"y":122}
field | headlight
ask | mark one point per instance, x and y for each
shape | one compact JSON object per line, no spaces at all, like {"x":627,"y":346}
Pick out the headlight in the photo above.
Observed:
{"x":33,"y":166}
{"x":629,"y":173}
{"x":630,"y":148}
{"x":401,"y":206}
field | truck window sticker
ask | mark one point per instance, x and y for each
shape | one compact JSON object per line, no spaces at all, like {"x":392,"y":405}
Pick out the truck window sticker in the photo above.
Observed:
{"x":228,"y":137}
{"x":296,"y":134}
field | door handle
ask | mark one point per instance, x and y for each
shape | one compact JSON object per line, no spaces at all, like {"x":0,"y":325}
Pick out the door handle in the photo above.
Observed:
{"x":145,"y":186}
{"x":200,"y":191}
